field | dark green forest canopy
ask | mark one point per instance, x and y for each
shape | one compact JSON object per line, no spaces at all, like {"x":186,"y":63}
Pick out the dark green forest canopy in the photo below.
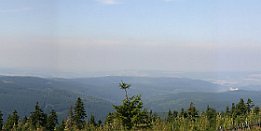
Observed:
{"x":131,"y":115}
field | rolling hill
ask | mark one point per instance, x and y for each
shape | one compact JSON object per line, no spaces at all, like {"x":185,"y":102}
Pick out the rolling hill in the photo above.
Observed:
{"x":99,"y":93}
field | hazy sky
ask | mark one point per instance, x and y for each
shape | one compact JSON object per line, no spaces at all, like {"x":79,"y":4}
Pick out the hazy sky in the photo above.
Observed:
{"x":113,"y":35}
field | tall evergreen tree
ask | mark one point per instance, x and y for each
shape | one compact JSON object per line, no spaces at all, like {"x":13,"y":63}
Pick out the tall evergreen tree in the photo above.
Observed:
{"x":38,"y":117}
{"x":249,"y":105}
{"x":51,"y":121}
{"x":241,"y":108}
{"x":1,"y":121}
{"x":12,"y":121}
{"x":79,"y":114}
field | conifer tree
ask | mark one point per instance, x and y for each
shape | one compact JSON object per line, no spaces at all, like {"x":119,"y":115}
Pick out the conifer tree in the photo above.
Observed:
{"x":183,"y":113}
{"x":69,"y":123}
{"x":256,"y":110}
{"x":169,"y":118}
{"x":249,"y":105}
{"x":241,"y":108}
{"x":172,"y":115}
{"x":38,"y":117}
{"x":1,"y":121}
{"x":233,"y":110}
{"x":12,"y":121}
{"x":109,"y":119}
{"x":92,"y":120}
{"x":211,"y":116}
{"x":99,"y":123}
{"x":79,"y":114}
{"x":125,"y":86}
{"x":131,"y":112}
{"x":210,"y":112}
{"x":227,"y":111}
{"x":192,"y":111}
{"x":61,"y":127}
{"x":51,"y":121}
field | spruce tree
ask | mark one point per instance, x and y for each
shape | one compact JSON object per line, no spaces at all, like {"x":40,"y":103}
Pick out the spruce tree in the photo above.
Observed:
{"x":192,"y":111}
{"x":227,"y":111}
{"x":241,"y":108}
{"x":12,"y":121}
{"x":183,"y":113}
{"x":233,"y":110}
{"x":69,"y":122}
{"x":38,"y":117}
{"x":170,"y":116}
{"x":109,"y":119}
{"x":61,"y":127}
{"x":256,"y":110}
{"x":211,"y":113}
{"x":130,"y":112}
{"x":211,"y":116}
{"x":92,"y":120}
{"x":99,"y":123}
{"x":79,"y":114}
{"x":1,"y":121}
{"x":51,"y":121}
{"x":249,"y":105}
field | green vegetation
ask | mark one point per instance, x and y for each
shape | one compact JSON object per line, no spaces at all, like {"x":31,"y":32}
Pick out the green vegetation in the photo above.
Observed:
{"x":130,"y":115}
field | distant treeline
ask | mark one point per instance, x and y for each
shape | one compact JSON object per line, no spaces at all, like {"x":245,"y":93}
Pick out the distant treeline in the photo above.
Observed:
{"x":130,"y":115}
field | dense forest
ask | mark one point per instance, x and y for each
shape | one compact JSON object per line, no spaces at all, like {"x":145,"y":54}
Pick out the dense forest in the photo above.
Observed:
{"x":131,"y":115}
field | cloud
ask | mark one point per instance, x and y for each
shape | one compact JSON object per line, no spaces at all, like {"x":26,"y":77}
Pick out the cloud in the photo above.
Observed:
{"x":108,"y":2}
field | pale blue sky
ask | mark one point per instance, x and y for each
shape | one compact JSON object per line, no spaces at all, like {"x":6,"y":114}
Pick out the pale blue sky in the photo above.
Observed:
{"x":111,"y":35}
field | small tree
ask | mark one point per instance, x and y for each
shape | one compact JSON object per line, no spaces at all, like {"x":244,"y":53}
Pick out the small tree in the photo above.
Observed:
{"x":69,"y":122}
{"x":183,"y":113}
{"x":61,"y":127}
{"x":192,"y":111}
{"x":172,"y":115}
{"x":92,"y":120}
{"x":79,"y":114}
{"x":211,"y":116}
{"x":130,"y":112}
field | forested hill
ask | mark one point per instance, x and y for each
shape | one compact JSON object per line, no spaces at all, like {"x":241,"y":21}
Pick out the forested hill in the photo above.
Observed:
{"x":160,"y":94}
{"x":21,"y":93}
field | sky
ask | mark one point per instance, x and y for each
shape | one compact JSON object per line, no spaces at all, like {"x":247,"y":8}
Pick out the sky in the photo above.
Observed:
{"x":82,"y":36}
